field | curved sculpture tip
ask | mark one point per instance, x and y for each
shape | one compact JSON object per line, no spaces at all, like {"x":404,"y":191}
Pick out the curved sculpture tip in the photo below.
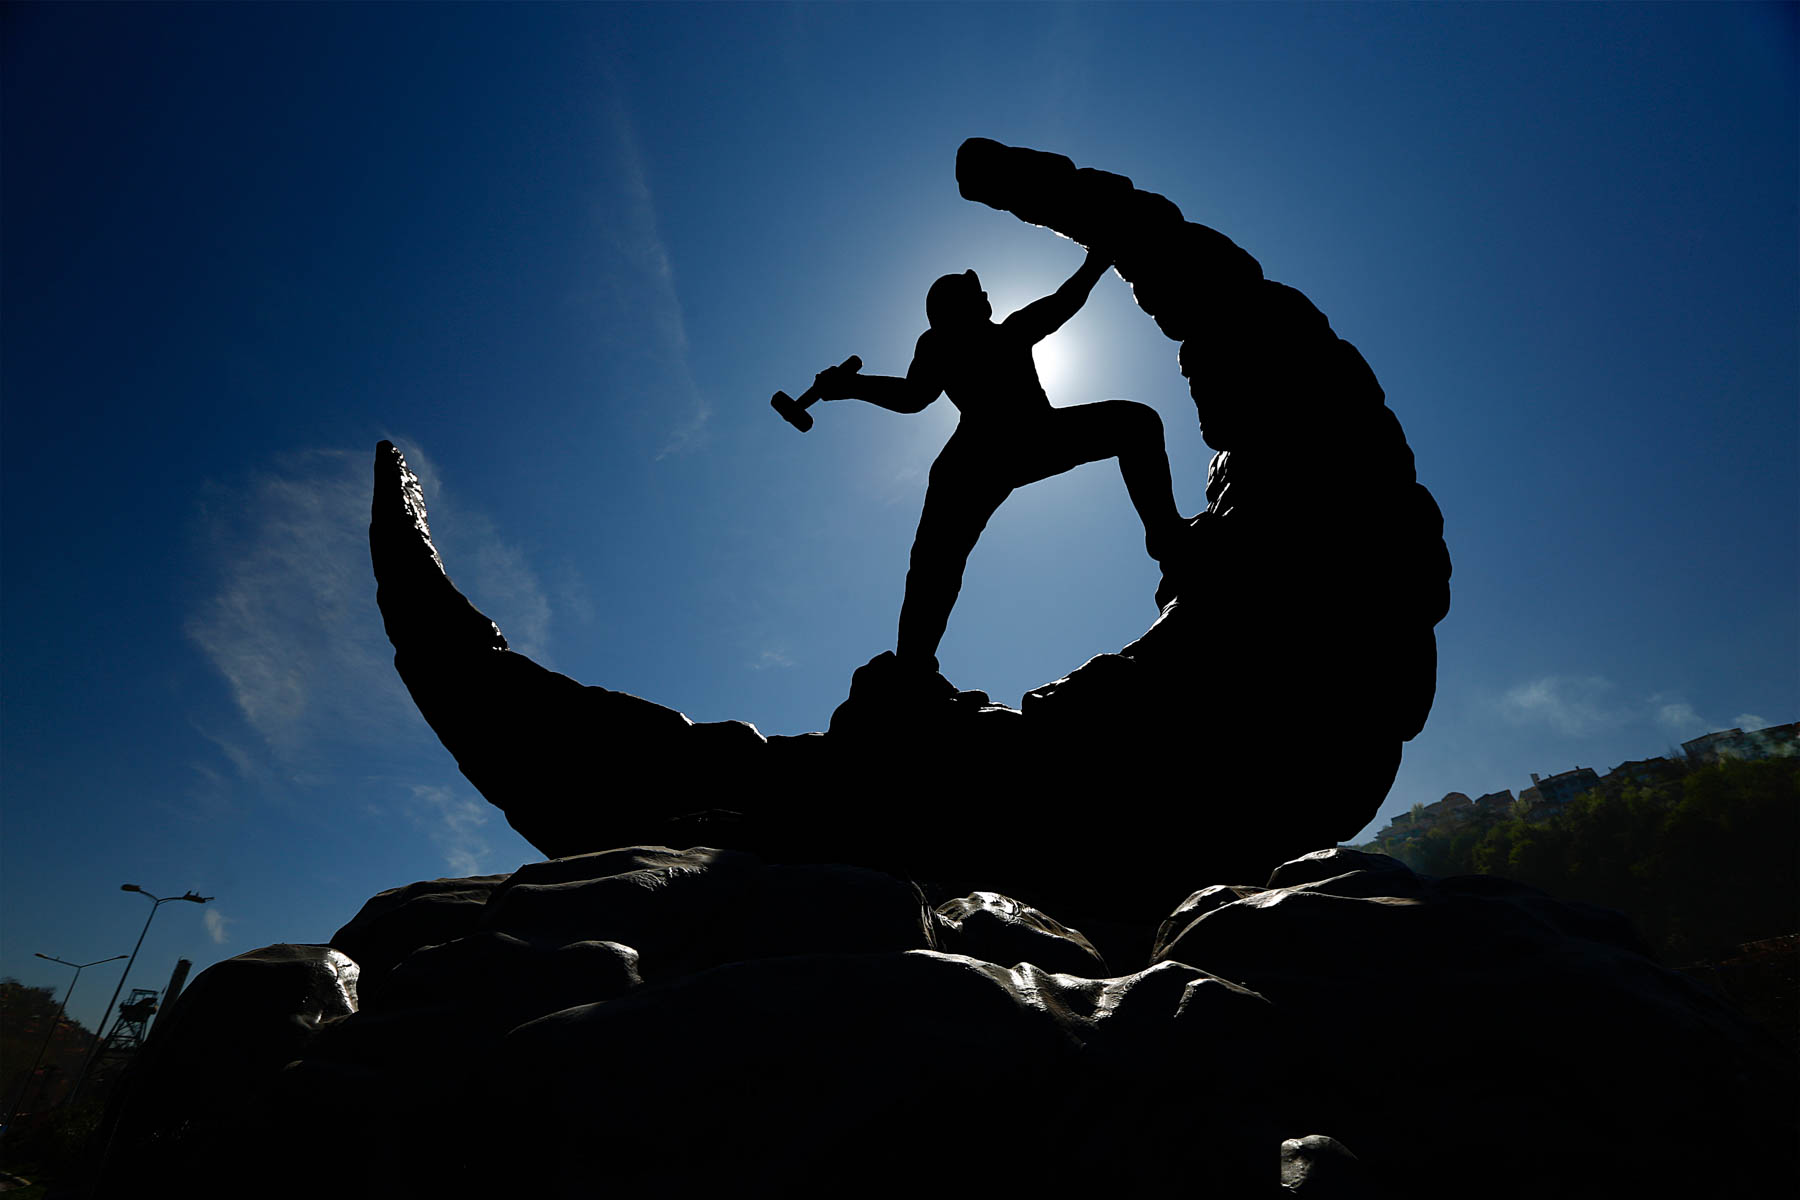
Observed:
{"x":1004,"y":177}
{"x":972,"y":157}
{"x":537,"y":744}
{"x":418,"y":602}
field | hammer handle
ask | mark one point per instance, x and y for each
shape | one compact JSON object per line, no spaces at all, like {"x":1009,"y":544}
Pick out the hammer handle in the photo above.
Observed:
{"x":853,"y":364}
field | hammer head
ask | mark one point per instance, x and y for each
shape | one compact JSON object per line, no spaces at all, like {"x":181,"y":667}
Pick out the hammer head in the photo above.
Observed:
{"x":791,"y":412}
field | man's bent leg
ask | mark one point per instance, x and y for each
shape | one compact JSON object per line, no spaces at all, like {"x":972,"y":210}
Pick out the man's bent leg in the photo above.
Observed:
{"x":1133,"y":433}
{"x":958,"y":504}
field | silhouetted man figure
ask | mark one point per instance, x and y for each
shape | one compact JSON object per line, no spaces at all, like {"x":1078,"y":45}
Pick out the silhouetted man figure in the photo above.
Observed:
{"x":1009,"y":436}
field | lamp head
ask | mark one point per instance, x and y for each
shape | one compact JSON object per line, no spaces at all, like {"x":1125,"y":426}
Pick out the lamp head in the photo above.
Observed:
{"x":130,"y":887}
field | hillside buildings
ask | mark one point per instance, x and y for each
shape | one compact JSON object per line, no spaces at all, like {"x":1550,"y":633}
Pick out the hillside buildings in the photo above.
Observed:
{"x":1548,"y":795}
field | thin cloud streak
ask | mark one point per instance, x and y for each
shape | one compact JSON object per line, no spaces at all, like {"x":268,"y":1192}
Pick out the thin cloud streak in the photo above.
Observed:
{"x":649,"y":289}
{"x":242,"y":761}
{"x":454,"y":824}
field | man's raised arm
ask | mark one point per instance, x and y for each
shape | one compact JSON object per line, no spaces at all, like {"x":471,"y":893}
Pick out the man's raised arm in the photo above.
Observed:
{"x":1041,"y":318}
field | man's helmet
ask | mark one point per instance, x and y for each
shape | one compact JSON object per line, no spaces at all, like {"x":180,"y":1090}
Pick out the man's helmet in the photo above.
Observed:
{"x":952,"y":298}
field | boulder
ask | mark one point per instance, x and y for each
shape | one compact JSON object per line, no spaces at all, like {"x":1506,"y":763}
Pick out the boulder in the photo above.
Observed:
{"x":1493,"y":1024}
{"x":919,"y":1069}
{"x":708,"y":1020}
{"x":192,"y":1101}
{"x":996,"y":928}
{"x":1321,"y":1167}
{"x":394,"y":923}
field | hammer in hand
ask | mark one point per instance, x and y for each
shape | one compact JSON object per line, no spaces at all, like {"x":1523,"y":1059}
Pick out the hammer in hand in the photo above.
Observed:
{"x":794,"y":411}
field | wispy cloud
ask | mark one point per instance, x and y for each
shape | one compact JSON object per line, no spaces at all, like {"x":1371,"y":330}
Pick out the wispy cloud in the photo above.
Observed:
{"x":454,"y":822}
{"x":644,"y":287}
{"x":1678,"y":716}
{"x":243,"y":763}
{"x":1586,"y":705}
{"x":291,"y":622}
{"x":216,"y":922}
{"x":1572,"y":705}
{"x":772,"y":657}
{"x":1684,"y":721}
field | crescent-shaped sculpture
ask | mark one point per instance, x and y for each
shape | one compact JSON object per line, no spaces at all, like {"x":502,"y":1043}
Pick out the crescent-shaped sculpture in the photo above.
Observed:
{"x":1259,"y":718}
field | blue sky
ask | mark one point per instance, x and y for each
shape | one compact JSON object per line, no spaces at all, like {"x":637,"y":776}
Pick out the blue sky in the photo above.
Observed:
{"x":563,"y":255}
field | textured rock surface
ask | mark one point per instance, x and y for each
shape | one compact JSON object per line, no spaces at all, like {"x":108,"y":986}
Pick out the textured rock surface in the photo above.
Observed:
{"x":997,"y":928}
{"x":1493,"y":997}
{"x":192,"y":1100}
{"x":705,"y":1019}
{"x":1320,"y":1166}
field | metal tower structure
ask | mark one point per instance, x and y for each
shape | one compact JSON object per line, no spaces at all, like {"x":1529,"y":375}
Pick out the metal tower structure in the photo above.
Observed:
{"x":128,"y":1033}
{"x":129,"y":1030}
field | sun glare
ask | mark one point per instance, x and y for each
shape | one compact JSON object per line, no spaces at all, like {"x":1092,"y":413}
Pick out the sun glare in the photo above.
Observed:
{"x":1056,"y":357}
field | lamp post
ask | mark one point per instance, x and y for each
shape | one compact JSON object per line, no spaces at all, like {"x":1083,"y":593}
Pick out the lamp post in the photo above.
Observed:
{"x":100,"y":1040}
{"x":55,"y":1023}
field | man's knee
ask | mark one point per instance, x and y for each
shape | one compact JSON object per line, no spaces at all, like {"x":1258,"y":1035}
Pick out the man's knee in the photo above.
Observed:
{"x":1128,"y":427}
{"x":1140,"y":421}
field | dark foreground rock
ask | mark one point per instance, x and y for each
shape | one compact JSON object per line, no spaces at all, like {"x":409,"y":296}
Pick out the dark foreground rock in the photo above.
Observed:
{"x":707,"y":1020}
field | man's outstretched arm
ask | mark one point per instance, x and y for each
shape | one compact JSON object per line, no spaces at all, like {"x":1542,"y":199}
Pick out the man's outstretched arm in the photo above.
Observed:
{"x":1041,"y":318}
{"x":909,"y":395}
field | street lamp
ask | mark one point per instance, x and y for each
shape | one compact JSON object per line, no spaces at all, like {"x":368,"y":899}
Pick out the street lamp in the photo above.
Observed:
{"x":100,"y":1033}
{"x":25,"y":1088}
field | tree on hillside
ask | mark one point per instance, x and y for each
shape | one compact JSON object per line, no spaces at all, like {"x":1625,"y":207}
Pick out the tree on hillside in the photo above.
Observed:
{"x":29,"y":1026}
{"x":1700,"y":863}
{"x":1728,"y":848}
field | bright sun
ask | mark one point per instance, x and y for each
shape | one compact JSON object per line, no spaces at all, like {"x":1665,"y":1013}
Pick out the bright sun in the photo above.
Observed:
{"x":1055,"y":355}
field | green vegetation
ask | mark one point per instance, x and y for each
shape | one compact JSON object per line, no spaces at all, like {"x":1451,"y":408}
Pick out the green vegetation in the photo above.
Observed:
{"x":1701,"y":862}
{"x":48,"y":1140}
{"x":54,"y":1147}
{"x":27,"y":1015}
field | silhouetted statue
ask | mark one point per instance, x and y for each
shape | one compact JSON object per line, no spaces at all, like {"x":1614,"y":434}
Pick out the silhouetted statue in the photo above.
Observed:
{"x":1262,"y":716}
{"x":1008,"y":436}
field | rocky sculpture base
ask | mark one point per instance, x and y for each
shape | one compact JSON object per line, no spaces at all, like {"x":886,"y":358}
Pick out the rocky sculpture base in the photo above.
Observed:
{"x":707,"y":1020}
{"x":1136,"y":758}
